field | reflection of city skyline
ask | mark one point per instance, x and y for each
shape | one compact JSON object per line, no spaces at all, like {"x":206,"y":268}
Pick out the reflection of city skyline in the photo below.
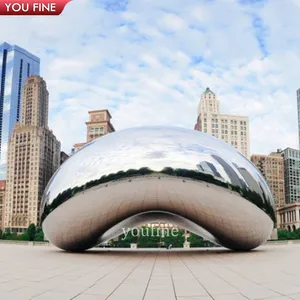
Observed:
{"x":182,"y":152}
{"x":259,"y":200}
{"x":247,"y":180}
{"x":127,"y":149}
{"x":208,"y":168}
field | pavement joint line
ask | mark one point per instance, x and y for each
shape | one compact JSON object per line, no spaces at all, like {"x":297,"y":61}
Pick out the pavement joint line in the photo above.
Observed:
{"x":267,"y":274}
{"x":195,"y":277}
{"x":127,"y":276}
{"x":170,"y":267}
{"x":238,"y":291}
{"x":246,"y":278}
{"x":150,"y":276}
{"x":95,"y":282}
{"x":63,"y":273}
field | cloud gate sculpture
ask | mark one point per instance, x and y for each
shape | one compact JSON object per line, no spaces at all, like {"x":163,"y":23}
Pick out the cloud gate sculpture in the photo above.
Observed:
{"x":185,"y":177}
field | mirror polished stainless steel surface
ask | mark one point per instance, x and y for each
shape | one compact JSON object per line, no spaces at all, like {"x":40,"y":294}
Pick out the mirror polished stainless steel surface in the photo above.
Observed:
{"x":126,"y":178}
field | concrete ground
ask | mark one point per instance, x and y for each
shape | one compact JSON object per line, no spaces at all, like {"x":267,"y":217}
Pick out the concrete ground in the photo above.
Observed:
{"x":46,"y":273}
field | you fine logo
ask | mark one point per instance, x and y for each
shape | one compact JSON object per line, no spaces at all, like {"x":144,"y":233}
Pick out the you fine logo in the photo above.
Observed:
{"x":32,"y":7}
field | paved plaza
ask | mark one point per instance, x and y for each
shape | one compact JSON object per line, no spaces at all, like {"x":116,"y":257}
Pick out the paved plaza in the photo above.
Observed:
{"x":46,"y":273}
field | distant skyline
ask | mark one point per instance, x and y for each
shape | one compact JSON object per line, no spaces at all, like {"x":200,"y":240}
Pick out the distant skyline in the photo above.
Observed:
{"x":149,"y":61}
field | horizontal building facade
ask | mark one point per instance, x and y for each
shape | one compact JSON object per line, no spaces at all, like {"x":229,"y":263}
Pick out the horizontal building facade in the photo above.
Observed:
{"x":292,"y":175}
{"x":99,"y":124}
{"x":272,"y":168}
{"x":230,"y":128}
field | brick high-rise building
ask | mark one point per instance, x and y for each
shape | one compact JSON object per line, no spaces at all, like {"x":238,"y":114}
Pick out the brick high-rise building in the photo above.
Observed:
{"x":98,"y":125}
{"x":232,"y":129}
{"x":33,"y":156}
{"x":272,"y":168}
{"x":2,"y":200}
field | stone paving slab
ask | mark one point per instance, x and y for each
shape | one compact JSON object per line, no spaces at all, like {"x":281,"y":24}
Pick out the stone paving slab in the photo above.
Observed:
{"x":46,"y":273}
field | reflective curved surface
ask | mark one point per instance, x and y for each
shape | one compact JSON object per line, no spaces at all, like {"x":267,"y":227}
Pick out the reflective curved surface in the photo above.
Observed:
{"x":162,"y":173}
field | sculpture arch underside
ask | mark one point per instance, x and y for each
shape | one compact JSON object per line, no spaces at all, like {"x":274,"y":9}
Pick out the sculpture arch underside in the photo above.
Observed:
{"x":102,"y":212}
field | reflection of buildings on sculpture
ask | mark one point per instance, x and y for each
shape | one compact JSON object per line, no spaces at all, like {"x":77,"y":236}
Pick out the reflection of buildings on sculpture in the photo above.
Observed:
{"x":140,"y":187}
{"x":232,"y":129}
{"x":161,"y":225}
{"x":98,"y":125}
{"x":33,"y":157}
{"x":63,"y":157}
{"x":288,"y":217}
{"x":252,"y":184}
{"x":77,"y":146}
{"x":230,"y":172}
{"x":272,"y":168}
{"x":208,"y":168}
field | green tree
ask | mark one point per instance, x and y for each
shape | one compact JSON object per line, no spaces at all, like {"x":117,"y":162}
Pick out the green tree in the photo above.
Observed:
{"x":39,"y":236}
{"x":31,"y":231}
{"x":198,"y":241}
{"x":176,"y":238}
{"x":24,"y":236}
{"x":149,"y":237}
{"x":10,"y":236}
{"x":124,"y":241}
{"x":284,"y":234}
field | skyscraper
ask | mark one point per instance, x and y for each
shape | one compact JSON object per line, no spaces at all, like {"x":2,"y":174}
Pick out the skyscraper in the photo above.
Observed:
{"x":272,"y":168}
{"x":33,"y":157}
{"x":232,"y":129}
{"x":2,"y":200}
{"x":98,"y":125}
{"x":298,"y":106}
{"x":291,"y":175}
{"x":16,"y":64}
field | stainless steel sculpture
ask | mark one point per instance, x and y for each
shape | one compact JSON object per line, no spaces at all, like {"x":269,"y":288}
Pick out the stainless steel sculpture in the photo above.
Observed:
{"x":181,"y":176}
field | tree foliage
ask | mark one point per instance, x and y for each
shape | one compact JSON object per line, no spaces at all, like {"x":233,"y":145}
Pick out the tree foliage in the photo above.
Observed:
{"x":259,"y":200}
{"x":156,"y":240}
{"x":32,"y":233}
{"x":198,"y":241}
{"x":284,"y":234}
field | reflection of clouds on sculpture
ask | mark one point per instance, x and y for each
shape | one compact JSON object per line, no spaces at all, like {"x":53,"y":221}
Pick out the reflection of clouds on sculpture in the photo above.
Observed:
{"x":199,"y":182}
{"x":138,"y":147}
{"x":156,"y":155}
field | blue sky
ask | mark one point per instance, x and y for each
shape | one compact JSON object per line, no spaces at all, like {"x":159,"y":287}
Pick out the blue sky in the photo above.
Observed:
{"x":148,"y":61}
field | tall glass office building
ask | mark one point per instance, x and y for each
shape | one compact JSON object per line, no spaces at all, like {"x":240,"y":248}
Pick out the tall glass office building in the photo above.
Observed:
{"x":16,"y":64}
{"x":298,"y":106}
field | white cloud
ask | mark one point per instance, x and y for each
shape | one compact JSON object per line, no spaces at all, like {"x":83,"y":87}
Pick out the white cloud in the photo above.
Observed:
{"x":172,"y":22}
